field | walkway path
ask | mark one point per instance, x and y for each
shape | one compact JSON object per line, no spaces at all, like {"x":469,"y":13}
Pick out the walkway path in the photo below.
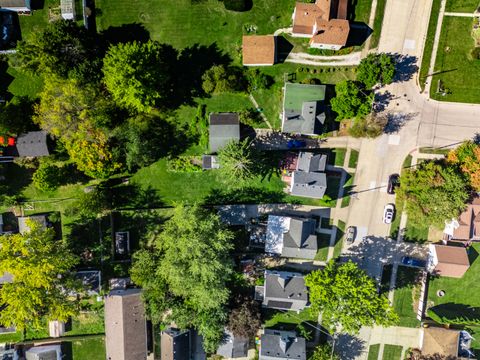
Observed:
{"x":320,"y":60}
{"x":436,"y":40}
{"x":461,"y":14}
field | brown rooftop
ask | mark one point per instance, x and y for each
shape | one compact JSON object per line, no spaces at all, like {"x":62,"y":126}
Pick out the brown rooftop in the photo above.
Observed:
{"x":333,"y":32}
{"x":258,"y":49}
{"x":452,"y":261}
{"x":469,"y":222}
{"x":307,"y":14}
{"x":440,"y":341}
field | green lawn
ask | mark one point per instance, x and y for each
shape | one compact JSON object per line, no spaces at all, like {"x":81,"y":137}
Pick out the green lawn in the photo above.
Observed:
{"x":461,"y":74}
{"x":378,"y":22}
{"x":462,"y":5}
{"x":427,"y":51}
{"x":373,"y":351}
{"x":415,"y":232}
{"x":386,"y":276}
{"x":87,"y":323}
{"x":475,"y":346}
{"x":339,"y":154}
{"x":347,"y":188}
{"x":407,"y":292}
{"x":323,"y":245}
{"x":89,"y":348}
{"x":339,"y":239}
{"x":353,"y":161}
{"x":362,"y":10}
{"x":392,"y":352}
{"x":459,"y":296}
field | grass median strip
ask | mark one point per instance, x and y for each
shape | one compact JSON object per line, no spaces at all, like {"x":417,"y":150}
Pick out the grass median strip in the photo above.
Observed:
{"x":427,"y":50}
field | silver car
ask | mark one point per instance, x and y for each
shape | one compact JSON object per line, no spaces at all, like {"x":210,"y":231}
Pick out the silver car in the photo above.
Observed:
{"x":350,"y":234}
{"x":388,"y":213}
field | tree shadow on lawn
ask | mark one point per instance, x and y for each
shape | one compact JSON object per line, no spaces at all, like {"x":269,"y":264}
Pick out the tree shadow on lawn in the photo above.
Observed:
{"x":124,"y":34}
{"x":449,"y":312}
{"x":192,"y":63}
{"x":284,"y":47}
{"x":245,"y":195}
{"x":5,"y":81}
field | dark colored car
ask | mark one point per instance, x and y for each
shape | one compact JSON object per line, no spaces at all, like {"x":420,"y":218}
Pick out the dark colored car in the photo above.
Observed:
{"x":393,"y":182}
{"x":296,"y":144}
{"x":409,"y":261}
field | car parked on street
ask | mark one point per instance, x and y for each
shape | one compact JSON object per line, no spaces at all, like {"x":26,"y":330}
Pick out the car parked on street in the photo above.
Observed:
{"x":393,"y":182}
{"x":388,"y":213}
{"x":350,"y":234}
{"x":413,"y":262}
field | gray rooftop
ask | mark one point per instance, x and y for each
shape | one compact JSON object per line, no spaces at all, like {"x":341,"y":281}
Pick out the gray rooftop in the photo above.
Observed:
{"x":175,"y":344}
{"x":125,"y":325}
{"x":311,"y":162}
{"x":300,"y":241}
{"x":309,"y":184}
{"x":285,"y":290}
{"x":210,"y":162}
{"x":232,"y":346}
{"x":32,"y":144}
{"x":224,"y":127}
{"x":22,"y":222}
{"x":15,"y":4}
{"x":47,"y":352}
{"x":277,"y":344}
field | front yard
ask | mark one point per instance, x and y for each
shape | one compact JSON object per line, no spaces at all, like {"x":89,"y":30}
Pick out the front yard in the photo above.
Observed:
{"x":406,"y":296}
{"x":459,"y":71}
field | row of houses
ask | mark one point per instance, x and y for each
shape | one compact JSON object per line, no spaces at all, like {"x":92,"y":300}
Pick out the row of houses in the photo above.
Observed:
{"x":24,"y":7}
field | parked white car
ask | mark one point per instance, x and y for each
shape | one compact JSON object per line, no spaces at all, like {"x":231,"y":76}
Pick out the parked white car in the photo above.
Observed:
{"x":388,"y":213}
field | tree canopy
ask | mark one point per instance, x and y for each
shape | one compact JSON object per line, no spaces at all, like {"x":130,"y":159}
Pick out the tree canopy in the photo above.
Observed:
{"x":140,"y":75}
{"x":434,"y":192}
{"x":237,"y":161}
{"x":467,"y":158}
{"x":63,"y":48}
{"x":39,"y":266}
{"x":185,"y":272}
{"x":351,"y":101}
{"x":347,"y":297}
{"x":376,"y":68}
{"x":219,"y":79}
{"x":244,"y":320}
{"x":324,"y":352}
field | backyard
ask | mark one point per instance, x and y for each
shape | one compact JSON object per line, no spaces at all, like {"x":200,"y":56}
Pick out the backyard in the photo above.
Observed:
{"x":457,"y":70}
{"x":406,"y":295}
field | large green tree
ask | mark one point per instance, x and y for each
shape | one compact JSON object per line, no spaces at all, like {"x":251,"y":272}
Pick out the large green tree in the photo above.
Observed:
{"x":467,"y":157}
{"x":238,"y":161}
{"x":185,"y":272}
{"x":434,"y":192}
{"x":351,"y":100}
{"x":140,"y":76}
{"x":16,"y":116}
{"x":219,"y":79}
{"x":63,"y":48}
{"x":347,"y":297}
{"x":324,"y":352}
{"x":375,"y":69}
{"x":39,"y":265}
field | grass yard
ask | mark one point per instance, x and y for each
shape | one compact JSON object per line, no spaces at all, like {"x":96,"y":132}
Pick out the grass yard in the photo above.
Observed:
{"x":184,"y":23}
{"x":347,"y":188}
{"x":323,"y":245}
{"x":339,"y":239}
{"x":353,"y":161}
{"x":386,"y":276}
{"x":458,"y":299}
{"x":339,"y":156}
{"x":406,"y":295}
{"x":377,"y":23}
{"x":415,"y":233}
{"x":460,"y":72}
{"x":91,"y":348}
{"x":462,"y":5}
{"x":287,"y":320}
{"x":361,"y":11}
{"x":427,"y":50}
{"x":373,"y":352}
{"x":392,"y":352}
{"x":475,"y":346}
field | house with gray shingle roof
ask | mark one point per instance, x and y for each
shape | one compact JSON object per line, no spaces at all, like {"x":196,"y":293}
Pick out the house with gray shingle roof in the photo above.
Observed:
{"x":303,"y":109}
{"x":284,"y":290}
{"x":291,"y":237}
{"x":224,"y":127}
{"x":32,"y":144}
{"x":309,"y":179}
{"x":279,"y":345}
{"x":232,"y":346}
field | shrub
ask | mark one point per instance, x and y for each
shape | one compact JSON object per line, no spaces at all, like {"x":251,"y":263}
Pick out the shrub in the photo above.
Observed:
{"x":47,"y":177}
{"x":250,"y":117}
{"x":475,"y":53}
{"x":182,"y":164}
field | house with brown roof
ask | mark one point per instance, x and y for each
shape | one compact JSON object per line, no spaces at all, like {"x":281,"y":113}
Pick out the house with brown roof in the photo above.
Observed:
{"x":449,"y":261}
{"x":441,"y":341}
{"x":259,"y":50}
{"x":125,"y":325}
{"x":324,"y":22}
{"x":467,"y":226}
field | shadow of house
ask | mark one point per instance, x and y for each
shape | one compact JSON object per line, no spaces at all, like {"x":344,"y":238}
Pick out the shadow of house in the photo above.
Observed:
{"x":9,"y":29}
{"x":284,"y":47}
{"x":359,"y":33}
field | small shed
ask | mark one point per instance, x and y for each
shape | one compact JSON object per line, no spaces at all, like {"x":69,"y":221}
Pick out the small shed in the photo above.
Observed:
{"x":224,"y":127}
{"x":32,"y":144}
{"x":91,"y":281}
{"x":67,"y":8}
{"x":50,"y":352}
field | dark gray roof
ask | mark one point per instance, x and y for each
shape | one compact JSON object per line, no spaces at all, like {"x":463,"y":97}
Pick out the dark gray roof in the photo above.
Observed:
{"x":175,"y":344}
{"x":277,"y":344}
{"x":125,"y":325}
{"x":285,"y":290}
{"x":22,"y":222}
{"x":6,"y":278}
{"x":309,"y":184}
{"x":232,"y":346}
{"x":311,"y":162}
{"x":300,"y":241}
{"x":46,"y":352}
{"x":90,"y":280}
{"x":309,"y":120}
{"x":32,"y":144}
{"x":224,"y":127}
